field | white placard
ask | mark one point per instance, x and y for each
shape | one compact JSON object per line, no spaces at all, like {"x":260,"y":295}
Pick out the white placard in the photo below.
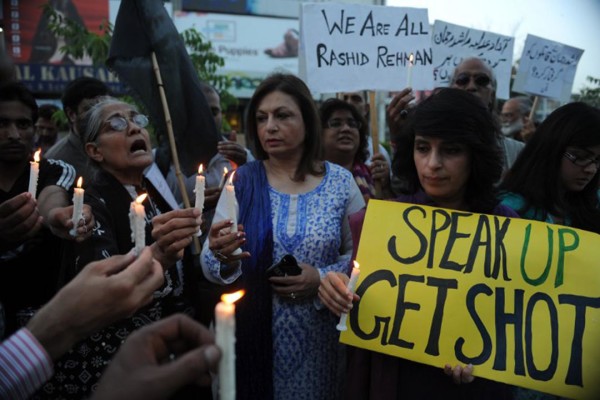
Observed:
{"x":348,"y":47}
{"x":547,"y":68}
{"x":453,"y":43}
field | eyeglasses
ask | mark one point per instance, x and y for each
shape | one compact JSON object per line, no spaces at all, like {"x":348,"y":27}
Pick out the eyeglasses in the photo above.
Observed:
{"x":581,"y":161}
{"x":119,"y":123}
{"x":337,"y":123}
{"x":20,"y":123}
{"x":480,"y":80}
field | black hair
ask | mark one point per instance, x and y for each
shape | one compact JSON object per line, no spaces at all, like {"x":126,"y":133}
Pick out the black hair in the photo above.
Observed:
{"x":15,"y":91}
{"x":536,"y":172}
{"x":46,"y":111}
{"x":299,"y":92}
{"x":459,"y":116}
{"x":332,"y":105}
{"x":80,"y":89}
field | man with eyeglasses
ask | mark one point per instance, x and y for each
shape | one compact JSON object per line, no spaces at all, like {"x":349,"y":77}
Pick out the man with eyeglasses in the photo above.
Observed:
{"x":30,"y":226}
{"x":475,"y":76}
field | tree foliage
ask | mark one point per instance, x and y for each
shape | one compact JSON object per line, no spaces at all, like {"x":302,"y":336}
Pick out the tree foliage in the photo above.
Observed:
{"x":82,"y":43}
{"x":590,"y":94}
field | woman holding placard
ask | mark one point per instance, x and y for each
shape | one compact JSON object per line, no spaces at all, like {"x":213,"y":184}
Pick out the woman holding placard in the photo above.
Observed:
{"x":117,"y":142}
{"x":289,"y":203}
{"x":448,"y":156}
{"x":555,"y":179}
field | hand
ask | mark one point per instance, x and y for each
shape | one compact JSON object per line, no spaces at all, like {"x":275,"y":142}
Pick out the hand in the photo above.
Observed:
{"x":334,"y":293}
{"x":19,"y":218}
{"x":172,"y":232}
{"x":60,"y":223}
{"x":103,"y":292}
{"x":211,"y":197}
{"x":142,"y":368}
{"x":397,"y":110}
{"x":297,"y":286}
{"x":460,"y":374}
{"x":380,"y":169}
{"x":222,"y":242}
{"x":528,"y":130}
{"x":232,"y":151}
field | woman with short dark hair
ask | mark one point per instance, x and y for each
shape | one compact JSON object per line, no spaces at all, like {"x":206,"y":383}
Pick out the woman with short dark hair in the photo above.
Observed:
{"x":345,"y":141}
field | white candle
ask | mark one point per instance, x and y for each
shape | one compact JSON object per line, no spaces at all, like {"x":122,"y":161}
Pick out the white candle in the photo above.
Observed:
{"x":230,"y":202}
{"x":225,"y":339}
{"x":137,"y":223}
{"x":77,"y":207}
{"x":341,"y":326}
{"x":225,"y":171}
{"x":199,"y":189}
{"x":34,"y":172}
{"x":409,"y":71}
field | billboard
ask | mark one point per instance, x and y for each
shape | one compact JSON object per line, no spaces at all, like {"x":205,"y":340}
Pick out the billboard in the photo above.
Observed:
{"x":253,"y":47}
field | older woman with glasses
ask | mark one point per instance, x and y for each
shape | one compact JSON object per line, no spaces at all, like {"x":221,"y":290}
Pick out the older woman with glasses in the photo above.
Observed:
{"x":555,"y":179}
{"x":345,"y":136}
{"x":117,"y":142}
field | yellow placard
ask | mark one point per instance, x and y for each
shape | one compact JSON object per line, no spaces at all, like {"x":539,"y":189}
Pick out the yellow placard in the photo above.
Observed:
{"x":518,"y":299}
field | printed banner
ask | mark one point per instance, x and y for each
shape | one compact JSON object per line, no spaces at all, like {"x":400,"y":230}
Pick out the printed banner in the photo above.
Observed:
{"x":518,"y":299}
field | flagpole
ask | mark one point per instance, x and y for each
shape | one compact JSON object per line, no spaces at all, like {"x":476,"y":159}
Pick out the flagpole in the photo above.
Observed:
{"x":374,"y":135}
{"x":172,"y":144}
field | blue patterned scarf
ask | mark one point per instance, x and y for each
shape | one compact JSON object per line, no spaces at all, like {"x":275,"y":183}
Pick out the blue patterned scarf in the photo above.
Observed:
{"x":254,"y":342}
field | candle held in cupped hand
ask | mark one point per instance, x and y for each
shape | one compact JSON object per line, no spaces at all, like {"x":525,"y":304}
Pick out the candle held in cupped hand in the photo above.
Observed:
{"x":34,"y":172}
{"x":341,"y":326}
{"x":77,"y":207}
{"x":137,"y":223}
{"x":225,"y":339}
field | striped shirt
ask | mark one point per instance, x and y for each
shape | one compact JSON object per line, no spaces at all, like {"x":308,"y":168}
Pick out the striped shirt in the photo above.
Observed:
{"x":24,"y":366}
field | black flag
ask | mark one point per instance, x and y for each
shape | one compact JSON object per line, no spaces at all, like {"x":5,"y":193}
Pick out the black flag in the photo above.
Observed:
{"x":143,"y":27}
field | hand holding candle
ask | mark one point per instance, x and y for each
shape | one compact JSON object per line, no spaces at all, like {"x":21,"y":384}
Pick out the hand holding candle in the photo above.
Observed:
{"x":137,"y":223}
{"x":77,"y":207}
{"x":230,"y":203}
{"x":225,"y":339}
{"x":34,"y":172}
{"x":341,"y":326}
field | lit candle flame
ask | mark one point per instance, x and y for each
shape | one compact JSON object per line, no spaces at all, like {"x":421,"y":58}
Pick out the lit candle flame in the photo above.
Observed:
{"x":140,"y":199}
{"x":225,"y":171}
{"x":230,"y":181}
{"x":36,"y":155}
{"x":200,"y":169}
{"x":231,"y":298}
{"x":356,"y":264}
{"x":411,"y":59}
{"x":79,"y":182}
